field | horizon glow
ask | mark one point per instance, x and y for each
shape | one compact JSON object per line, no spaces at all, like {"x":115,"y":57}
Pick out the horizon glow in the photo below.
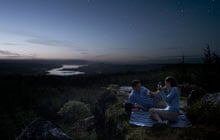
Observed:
{"x":108,"y":30}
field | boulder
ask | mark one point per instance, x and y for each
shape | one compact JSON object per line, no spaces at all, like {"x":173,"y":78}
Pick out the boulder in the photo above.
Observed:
{"x":124,"y":90}
{"x":195,"y":95}
{"x":212,"y":98}
{"x":42,"y":129}
{"x":113,"y":87}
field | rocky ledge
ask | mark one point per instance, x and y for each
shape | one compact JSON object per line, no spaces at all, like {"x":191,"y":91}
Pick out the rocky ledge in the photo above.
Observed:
{"x":212,"y":98}
{"x":42,"y":129}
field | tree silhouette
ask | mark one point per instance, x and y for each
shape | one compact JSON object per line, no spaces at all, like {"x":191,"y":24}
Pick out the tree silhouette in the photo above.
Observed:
{"x":209,"y":56}
{"x":208,"y":76}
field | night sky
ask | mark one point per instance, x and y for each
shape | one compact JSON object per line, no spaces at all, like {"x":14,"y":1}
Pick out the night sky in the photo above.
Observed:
{"x":109,"y":30}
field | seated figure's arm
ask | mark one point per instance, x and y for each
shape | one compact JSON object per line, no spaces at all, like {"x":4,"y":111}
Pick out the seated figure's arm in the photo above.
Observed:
{"x":147,"y":91}
{"x":170,"y":96}
{"x":154,"y":93}
{"x":131,"y":98}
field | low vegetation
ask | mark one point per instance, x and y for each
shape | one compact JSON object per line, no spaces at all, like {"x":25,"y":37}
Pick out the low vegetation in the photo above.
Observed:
{"x":73,"y":111}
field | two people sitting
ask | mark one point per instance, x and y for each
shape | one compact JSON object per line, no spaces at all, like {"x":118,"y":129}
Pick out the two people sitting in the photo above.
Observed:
{"x":167,"y":97}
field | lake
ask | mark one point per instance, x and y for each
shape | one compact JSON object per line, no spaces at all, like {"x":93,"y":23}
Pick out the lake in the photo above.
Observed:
{"x":66,"y":70}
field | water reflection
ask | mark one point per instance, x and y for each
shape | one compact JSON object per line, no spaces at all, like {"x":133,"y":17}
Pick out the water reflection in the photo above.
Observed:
{"x":66,"y":70}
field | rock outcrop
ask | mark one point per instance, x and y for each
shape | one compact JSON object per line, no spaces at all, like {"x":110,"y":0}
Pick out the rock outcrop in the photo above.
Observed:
{"x":212,"y":98}
{"x":201,"y":95}
{"x":124,"y":92}
{"x":41,"y":129}
{"x":109,"y":117}
{"x":195,"y":95}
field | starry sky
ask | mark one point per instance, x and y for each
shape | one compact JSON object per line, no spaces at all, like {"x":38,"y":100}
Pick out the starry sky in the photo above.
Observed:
{"x":109,"y":30}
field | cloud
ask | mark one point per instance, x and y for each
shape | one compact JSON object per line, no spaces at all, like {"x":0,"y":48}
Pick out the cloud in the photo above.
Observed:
{"x":10,"y":44}
{"x":36,"y":39}
{"x":82,"y":50}
{"x":9,"y":54}
{"x":103,"y":55}
{"x":4,"y":53}
{"x":84,"y":53}
{"x":120,"y":48}
{"x":50,"y":42}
